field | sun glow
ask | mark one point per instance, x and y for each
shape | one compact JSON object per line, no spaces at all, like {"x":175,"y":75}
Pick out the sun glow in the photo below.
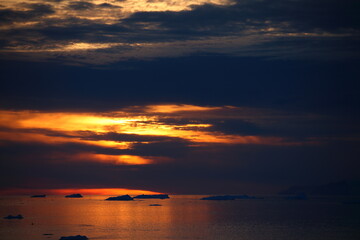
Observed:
{"x":83,"y":191}
{"x":115,"y":159}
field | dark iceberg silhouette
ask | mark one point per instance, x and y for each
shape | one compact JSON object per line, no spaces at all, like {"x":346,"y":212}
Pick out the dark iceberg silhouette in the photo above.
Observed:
{"x":38,"y":196}
{"x":301,"y":196}
{"x":223,"y":197}
{"x":336,"y":188}
{"x":14,"y":217}
{"x":120,"y":198}
{"x":74,"y":196}
{"x":77,"y":237}
{"x":230,"y":197}
{"x":155,"y":196}
{"x":246,"y":197}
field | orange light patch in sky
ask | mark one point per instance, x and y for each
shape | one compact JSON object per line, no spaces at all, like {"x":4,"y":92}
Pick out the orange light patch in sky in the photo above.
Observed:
{"x":42,"y":138}
{"x":83,"y":191}
{"x":134,"y":120}
{"x":115,"y":159}
{"x":171,"y":108}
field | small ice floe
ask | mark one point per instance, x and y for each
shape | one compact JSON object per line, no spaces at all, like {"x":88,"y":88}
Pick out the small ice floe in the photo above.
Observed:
{"x":77,"y":195}
{"x":38,"y":196}
{"x":223,"y":197}
{"x":14,"y":217}
{"x":155,"y":196}
{"x":77,"y":237}
{"x":155,"y":205}
{"x":120,"y":198}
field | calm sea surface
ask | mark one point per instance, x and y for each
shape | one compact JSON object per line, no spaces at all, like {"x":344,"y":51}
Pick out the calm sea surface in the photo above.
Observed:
{"x":180,"y":217}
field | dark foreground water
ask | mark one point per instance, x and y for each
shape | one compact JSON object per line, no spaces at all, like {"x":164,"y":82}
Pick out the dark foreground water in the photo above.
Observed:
{"x":180,"y":217}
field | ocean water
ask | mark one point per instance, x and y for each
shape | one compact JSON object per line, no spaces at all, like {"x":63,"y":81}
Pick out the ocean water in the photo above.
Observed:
{"x":180,"y":217}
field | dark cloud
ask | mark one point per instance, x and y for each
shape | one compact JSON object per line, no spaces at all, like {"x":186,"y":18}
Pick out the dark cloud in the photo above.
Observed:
{"x":205,"y":80}
{"x":217,"y":169}
{"x":288,"y":16}
{"x":291,"y":126}
{"x":107,"y":5}
{"x":94,"y":136}
{"x":35,"y":11}
{"x":142,"y":145}
{"x":83,"y":5}
{"x":282,"y":29}
{"x":80,"y":6}
{"x":112,"y":136}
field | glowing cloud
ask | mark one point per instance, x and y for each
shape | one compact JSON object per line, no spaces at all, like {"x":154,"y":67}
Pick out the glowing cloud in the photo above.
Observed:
{"x":142,"y":121}
{"x":172,"y":108}
{"x":115,"y":159}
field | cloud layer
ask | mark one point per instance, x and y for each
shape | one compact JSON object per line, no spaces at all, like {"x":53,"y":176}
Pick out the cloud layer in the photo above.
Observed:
{"x":97,"y":32}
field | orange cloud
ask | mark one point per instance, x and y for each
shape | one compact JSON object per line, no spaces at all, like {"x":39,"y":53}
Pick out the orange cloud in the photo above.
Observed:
{"x":171,"y":108}
{"x":33,"y":126}
{"x":116,"y":159}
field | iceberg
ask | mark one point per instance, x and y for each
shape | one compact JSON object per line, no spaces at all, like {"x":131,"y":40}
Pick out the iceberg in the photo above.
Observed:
{"x":120,"y":198}
{"x":77,"y":237}
{"x":247,"y":197}
{"x":223,"y":197}
{"x":155,"y":196}
{"x":74,"y":196}
{"x":14,"y":217}
{"x":38,"y":196}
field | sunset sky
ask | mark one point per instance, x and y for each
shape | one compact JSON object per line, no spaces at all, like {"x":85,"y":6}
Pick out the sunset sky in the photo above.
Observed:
{"x":179,"y":97}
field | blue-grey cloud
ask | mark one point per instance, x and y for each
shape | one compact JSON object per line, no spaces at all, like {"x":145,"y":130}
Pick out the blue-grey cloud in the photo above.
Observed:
{"x":81,"y":5}
{"x":35,"y":11}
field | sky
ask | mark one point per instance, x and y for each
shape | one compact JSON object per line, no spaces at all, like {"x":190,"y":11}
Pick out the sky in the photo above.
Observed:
{"x":178,"y":97}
